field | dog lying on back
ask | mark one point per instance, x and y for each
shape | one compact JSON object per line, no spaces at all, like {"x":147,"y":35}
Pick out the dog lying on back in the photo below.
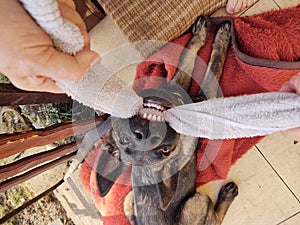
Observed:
{"x":163,"y":162}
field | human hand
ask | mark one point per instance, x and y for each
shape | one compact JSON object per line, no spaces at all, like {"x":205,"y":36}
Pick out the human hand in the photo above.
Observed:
{"x":293,"y":85}
{"x":27,"y":55}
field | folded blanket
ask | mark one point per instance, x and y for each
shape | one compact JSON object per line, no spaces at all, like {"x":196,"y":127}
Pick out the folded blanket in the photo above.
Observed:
{"x":162,"y":21}
{"x":262,"y":36}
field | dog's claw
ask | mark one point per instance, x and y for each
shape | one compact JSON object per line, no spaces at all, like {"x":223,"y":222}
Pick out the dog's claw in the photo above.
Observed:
{"x":224,"y":30}
{"x":228,"y":192}
{"x":202,"y":22}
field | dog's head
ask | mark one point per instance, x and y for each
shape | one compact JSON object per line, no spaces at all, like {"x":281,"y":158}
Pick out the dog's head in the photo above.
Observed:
{"x":144,"y":140}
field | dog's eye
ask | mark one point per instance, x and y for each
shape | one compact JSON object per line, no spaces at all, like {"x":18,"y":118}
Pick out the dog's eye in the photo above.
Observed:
{"x":112,"y":150}
{"x":166,"y":151}
{"x":124,"y":140}
{"x":109,"y":147}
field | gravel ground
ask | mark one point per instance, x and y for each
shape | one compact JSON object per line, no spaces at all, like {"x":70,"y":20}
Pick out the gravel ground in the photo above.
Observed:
{"x":43,"y":212}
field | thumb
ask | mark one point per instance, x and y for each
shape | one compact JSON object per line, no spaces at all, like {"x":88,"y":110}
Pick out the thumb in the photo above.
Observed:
{"x":62,"y":66}
{"x":293,"y":85}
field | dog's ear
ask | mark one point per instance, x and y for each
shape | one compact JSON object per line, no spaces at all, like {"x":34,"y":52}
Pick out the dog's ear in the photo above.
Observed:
{"x":167,"y":189}
{"x":109,"y":168}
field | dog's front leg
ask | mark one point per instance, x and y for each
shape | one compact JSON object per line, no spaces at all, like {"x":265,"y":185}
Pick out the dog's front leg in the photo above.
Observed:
{"x":209,"y":87}
{"x":200,"y":31}
{"x":197,"y":210}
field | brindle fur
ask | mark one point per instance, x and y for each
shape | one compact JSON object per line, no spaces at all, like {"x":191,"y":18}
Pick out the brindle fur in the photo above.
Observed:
{"x":210,"y":83}
{"x":164,"y":189}
{"x":200,"y":31}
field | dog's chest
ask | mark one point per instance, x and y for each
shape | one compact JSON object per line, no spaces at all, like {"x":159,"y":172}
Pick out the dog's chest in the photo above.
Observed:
{"x":147,"y":205}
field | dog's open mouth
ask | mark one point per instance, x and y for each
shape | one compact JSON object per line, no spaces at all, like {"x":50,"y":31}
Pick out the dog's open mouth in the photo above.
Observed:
{"x":154,"y":109}
{"x":158,"y":101}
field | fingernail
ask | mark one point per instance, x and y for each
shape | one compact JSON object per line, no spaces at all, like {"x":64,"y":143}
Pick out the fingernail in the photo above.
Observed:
{"x":286,"y":88}
{"x":231,"y":11}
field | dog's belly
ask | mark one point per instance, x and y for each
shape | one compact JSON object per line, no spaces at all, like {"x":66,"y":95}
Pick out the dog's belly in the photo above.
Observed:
{"x":147,"y":207}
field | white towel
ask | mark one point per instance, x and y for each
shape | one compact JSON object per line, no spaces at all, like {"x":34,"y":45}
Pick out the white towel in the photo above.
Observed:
{"x":99,"y":88}
{"x":237,"y":117}
{"x":234,"y":117}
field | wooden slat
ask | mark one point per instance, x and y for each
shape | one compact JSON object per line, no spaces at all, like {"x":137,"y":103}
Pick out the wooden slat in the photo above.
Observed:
{"x":34,"y":160}
{"x":88,"y":11}
{"x":12,"y":96}
{"x":11,"y":144}
{"x":34,"y":172}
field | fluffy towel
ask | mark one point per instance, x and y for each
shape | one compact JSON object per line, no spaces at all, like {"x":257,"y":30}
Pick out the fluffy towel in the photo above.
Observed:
{"x":99,"y":88}
{"x":257,"y":36}
{"x":237,"y":117}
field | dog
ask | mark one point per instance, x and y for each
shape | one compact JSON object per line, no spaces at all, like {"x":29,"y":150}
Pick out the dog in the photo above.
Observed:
{"x":163,"y":162}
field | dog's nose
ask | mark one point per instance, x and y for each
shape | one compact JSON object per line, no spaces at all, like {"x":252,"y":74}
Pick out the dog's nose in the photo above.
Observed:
{"x":140,"y":133}
{"x":140,"y":129}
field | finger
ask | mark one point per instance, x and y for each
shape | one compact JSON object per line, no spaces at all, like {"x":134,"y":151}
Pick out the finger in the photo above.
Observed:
{"x":69,"y":3}
{"x":293,"y":85}
{"x":36,"y":83}
{"x":286,"y":87}
{"x":45,"y":84}
{"x":58,"y":65}
{"x":239,"y":6}
{"x":231,"y":6}
{"x":73,"y":16}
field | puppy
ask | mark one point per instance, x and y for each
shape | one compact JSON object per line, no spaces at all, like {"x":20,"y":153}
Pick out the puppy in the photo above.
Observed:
{"x":163,"y":162}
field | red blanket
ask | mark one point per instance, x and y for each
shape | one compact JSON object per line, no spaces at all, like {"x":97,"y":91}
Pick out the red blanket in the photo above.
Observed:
{"x":273,"y":35}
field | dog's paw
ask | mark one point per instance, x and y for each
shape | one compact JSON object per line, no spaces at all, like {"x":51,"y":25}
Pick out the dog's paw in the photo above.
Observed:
{"x":222,"y":38}
{"x":223,"y":33}
{"x":202,"y":22}
{"x":228,"y":192}
{"x":225,"y":27}
{"x":199,"y":98}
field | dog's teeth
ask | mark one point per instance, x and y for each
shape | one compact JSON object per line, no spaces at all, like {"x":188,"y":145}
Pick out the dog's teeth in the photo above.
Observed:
{"x":158,"y":118}
{"x":149,"y":117}
{"x":154,"y":118}
{"x":145,"y":116}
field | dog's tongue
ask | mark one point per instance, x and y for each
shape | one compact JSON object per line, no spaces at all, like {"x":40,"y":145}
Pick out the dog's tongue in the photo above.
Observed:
{"x":237,"y":117}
